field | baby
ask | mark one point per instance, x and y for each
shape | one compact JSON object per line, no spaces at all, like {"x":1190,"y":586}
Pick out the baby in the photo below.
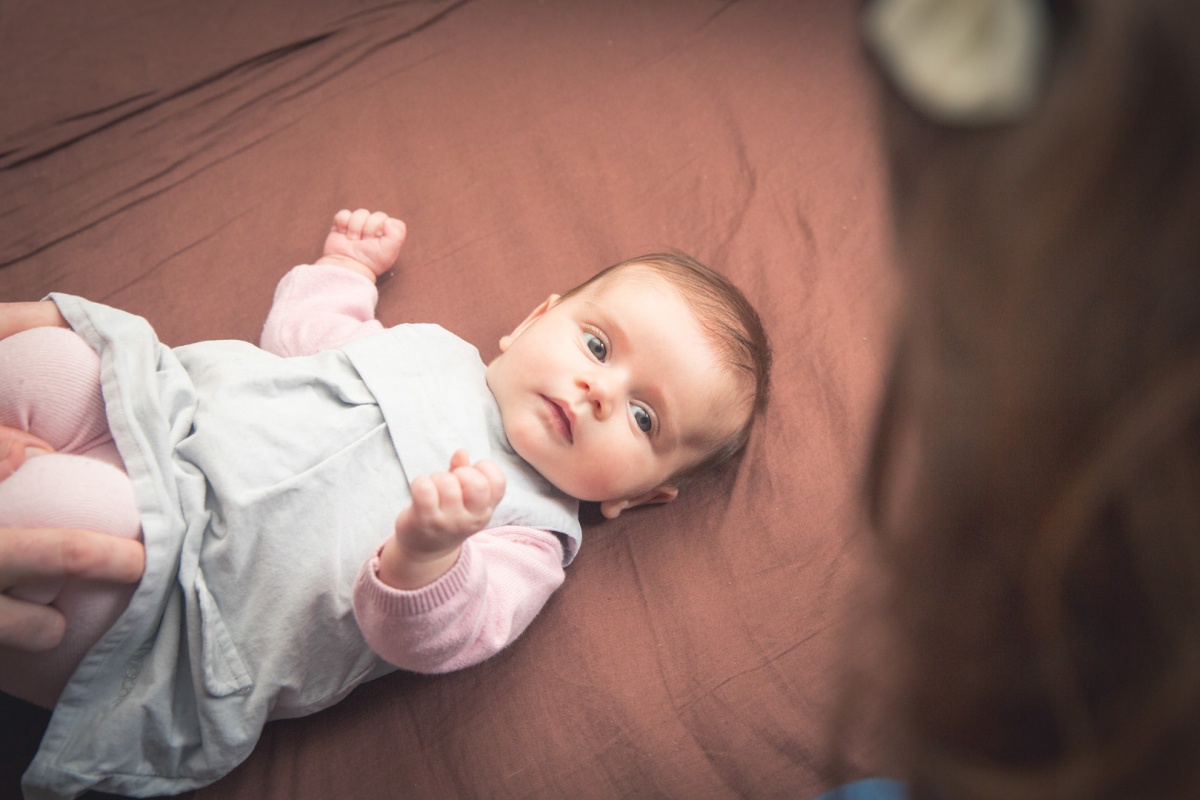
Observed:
{"x":310,"y":514}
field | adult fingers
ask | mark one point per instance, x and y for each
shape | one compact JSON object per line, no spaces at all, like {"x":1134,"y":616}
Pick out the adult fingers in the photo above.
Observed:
{"x":29,"y":626}
{"x":31,"y":554}
{"x":13,"y":443}
{"x":23,"y":436}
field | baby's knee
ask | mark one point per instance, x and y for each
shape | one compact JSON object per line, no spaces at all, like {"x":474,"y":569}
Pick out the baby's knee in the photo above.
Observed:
{"x":48,"y":349}
{"x":69,"y":491}
{"x":50,"y":386}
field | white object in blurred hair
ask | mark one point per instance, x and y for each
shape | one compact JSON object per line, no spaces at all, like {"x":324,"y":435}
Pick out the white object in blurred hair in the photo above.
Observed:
{"x":962,"y":62}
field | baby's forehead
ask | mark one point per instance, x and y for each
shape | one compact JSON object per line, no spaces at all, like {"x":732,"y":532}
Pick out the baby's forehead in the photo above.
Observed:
{"x":624,"y":292}
{"x":621,"y":287}
{"x":633,"y":272}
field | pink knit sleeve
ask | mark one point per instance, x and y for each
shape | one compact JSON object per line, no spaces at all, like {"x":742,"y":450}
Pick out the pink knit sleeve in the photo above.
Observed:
{"x":500,"y":582}
{"x":319,"y":307}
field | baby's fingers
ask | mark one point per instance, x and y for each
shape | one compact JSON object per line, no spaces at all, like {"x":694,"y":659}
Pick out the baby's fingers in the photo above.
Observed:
{"x":375,"y":224}
{"x":449,"y":490}
{"x":460,"y":459}
{"x":477,"y":496}
{"x":495,"y":479}
{"x":425,"y":498}
{"x":358,"y":220}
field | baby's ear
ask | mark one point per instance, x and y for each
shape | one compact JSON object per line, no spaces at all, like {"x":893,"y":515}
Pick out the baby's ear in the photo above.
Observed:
{"x":547,"y":304}
{"x":611,"y":509}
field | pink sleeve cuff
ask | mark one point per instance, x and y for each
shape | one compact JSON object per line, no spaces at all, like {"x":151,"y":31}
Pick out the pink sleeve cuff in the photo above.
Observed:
{"x":501,"y":580}
{"x":389,"y":601}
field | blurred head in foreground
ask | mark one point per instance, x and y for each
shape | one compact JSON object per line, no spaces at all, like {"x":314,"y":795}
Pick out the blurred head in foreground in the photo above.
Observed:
{"x":1036,"y":471}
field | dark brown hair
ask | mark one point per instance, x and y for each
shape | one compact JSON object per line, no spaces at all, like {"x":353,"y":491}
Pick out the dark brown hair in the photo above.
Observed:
{"x":1036,"y":472}
{"x":732,"y":326}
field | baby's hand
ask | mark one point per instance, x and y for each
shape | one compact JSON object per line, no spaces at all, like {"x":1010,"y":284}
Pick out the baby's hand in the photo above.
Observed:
{"x":364,"y":241}
{"x":447,"y":508}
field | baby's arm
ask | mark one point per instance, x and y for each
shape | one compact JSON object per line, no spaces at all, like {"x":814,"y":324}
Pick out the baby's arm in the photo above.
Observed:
{"x":502,"y":579}
{"x":442,"y":593}
{"x":332,"y":302}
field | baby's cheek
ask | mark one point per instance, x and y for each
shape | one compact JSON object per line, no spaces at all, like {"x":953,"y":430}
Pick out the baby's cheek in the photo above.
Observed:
{"x":611,"y":478}
{"x":577,"y":476}
{"x":521,"y":437}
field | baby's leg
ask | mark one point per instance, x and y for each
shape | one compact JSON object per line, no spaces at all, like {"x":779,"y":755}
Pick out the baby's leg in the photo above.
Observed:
{"x":67,"y":491}
{"x":50,"y":386}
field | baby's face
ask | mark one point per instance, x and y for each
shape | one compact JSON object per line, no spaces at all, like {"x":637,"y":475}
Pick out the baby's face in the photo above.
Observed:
{"x":611,"y":391}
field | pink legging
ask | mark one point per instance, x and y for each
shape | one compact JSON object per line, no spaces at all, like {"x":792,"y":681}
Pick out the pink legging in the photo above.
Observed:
{"x":50,"y":387}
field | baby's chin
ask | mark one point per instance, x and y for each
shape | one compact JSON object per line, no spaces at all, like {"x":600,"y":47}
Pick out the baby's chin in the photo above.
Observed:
{"x":580,"y":487}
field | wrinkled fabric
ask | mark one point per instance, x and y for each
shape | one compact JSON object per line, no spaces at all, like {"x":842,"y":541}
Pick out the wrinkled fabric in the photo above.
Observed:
{"x":172,"y":158}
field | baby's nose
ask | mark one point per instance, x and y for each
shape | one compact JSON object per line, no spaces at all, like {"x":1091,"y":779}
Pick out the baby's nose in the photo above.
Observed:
{"x":599,"y":392}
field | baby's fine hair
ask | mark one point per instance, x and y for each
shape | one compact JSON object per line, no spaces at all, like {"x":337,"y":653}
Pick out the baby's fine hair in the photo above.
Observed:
{"x":731,"y":325}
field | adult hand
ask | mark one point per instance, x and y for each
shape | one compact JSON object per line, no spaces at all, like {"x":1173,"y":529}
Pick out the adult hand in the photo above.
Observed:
{"x":13,"y":446}
{"x":17,"y":317}
{"x":36,"y":554}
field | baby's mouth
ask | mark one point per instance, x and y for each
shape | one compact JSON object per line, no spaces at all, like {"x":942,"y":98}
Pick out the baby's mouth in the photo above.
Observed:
{"x":561,"y":419}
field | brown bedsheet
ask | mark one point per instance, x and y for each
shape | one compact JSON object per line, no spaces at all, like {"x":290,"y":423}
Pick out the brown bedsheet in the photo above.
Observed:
{"x":174,"y":159}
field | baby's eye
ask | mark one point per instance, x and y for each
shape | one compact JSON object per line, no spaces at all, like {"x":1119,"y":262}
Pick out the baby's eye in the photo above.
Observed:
{"x":643,"y":419}
{"x":596,"y":345}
